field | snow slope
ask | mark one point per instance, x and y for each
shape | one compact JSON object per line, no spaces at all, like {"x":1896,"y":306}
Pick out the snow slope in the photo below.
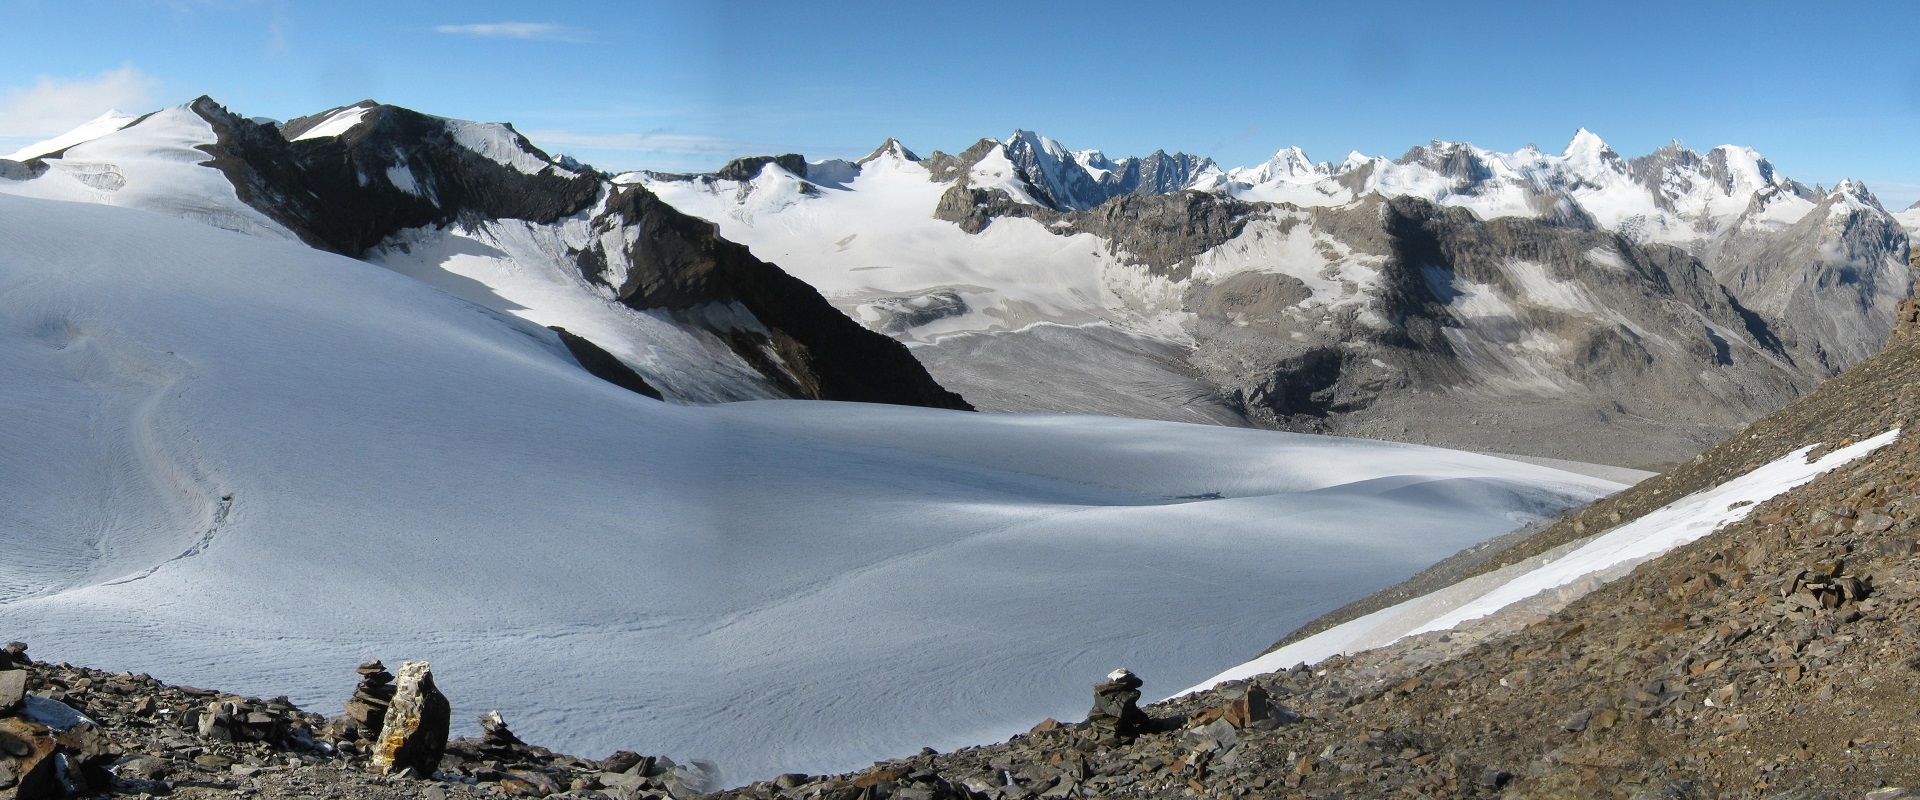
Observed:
{"x":875,"y":240}
{"x":1910,"y":219}
{"x":154,"y":165}
{"x":241,"y":462}
{"x":526,"y":269}
{"x":1605,"y":557}
{"x":88,"y":131}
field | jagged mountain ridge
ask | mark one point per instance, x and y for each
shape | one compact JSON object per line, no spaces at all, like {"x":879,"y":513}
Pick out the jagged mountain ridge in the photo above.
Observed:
{"x":1661,"y":301}
{"x":677,"y":308}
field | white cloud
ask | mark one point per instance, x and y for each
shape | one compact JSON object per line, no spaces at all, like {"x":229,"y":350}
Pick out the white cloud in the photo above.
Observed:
{"x":536,"y":31}
{"x":56,"y":105}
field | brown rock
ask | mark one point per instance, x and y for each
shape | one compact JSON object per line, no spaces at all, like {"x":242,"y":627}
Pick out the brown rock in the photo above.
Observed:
{"x":621,"y":761}
{"x":31,"y":747}
{"x":414,"y":731}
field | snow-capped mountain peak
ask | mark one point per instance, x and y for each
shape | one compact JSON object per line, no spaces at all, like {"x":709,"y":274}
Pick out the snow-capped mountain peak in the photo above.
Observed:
{"x":1290,"y":165}
{"x":1587,"y":145}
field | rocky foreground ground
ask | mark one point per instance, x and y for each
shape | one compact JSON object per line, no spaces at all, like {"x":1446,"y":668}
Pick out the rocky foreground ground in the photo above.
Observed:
{"x":1777,"y":658}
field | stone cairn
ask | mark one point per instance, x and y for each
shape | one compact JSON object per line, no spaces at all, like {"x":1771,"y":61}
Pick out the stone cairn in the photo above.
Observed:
{"x":368,"y":706}
{"x":1116,"y":713}
{"x":496,"y":740}
{"x":413,"y":736}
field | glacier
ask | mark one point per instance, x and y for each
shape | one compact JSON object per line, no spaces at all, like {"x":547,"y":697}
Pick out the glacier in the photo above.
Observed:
{"x":233,"y":460}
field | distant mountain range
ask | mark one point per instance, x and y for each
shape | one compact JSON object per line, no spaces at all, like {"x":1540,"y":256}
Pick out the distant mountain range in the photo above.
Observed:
{"x":1580,"y":305}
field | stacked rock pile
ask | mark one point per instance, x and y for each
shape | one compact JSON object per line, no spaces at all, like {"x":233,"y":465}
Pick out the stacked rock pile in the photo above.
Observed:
{"x":368,"y":706}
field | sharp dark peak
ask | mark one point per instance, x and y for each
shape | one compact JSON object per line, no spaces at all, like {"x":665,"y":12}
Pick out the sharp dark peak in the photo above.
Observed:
{"x":891,"y":145}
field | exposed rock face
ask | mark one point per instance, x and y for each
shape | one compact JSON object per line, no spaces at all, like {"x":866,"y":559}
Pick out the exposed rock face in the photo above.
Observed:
{"x":396,"y":169}
{"x":603,"y":364}
{"x":413,"y":735}
{"x":681,"y":264}
{"x":1076,"y":181}
{"x":744,"y":169}
{"x":1906,"y":319}
{"x":1165,"y":231}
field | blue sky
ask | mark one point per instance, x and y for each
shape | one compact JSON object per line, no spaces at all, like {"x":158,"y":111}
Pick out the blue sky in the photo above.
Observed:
{"x":1824,"y":90}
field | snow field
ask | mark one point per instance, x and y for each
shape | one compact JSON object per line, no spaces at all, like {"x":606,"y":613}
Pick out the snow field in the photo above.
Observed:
{"x":238,"y":462}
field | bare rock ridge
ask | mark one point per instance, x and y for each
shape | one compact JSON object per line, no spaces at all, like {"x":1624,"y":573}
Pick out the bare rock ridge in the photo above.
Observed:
{"x":366,"y":179}
{"x":813,"y":350}
{"x":603,"y":364}
{"x":321,"y":187}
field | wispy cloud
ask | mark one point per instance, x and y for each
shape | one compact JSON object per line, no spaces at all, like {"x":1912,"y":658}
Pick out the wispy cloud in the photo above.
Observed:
{"x":57,"y":105}
{"x":531,"y":31}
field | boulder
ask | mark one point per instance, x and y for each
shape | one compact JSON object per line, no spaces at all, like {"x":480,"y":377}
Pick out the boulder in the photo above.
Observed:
{"x":413,"y":735}
{"x":27,"y":763}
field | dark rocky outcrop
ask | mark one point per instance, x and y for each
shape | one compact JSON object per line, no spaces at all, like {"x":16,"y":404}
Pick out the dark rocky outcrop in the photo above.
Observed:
{"x":746,"y":169}
{"x":1165,"y":231}
{"x":395,"y":169}
{"x":812,"y":350}
{"x":603,"y":365}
